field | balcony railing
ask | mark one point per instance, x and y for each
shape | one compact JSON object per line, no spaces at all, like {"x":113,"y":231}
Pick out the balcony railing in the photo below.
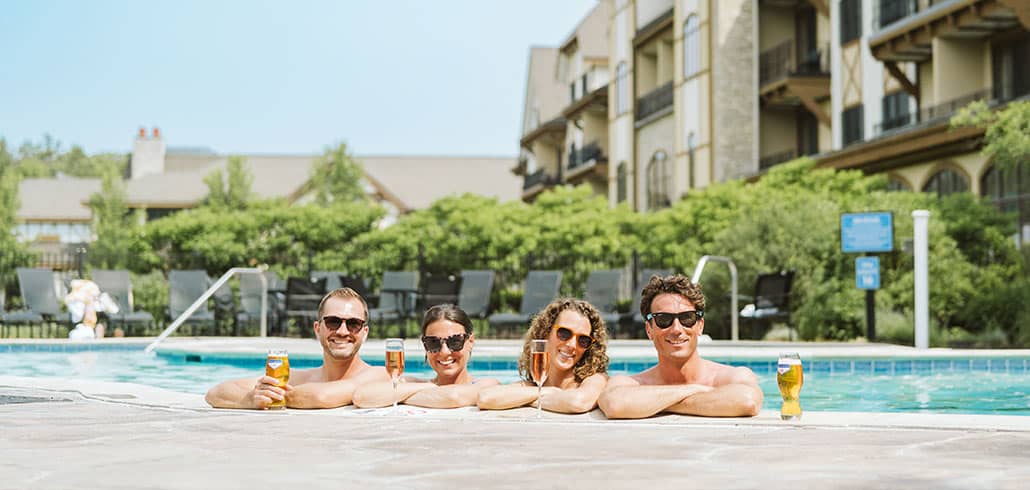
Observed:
{"x":775,"y":158}
{"x":886,"y":12}
{"x":536,"y":178}
{"x":780,"y":62}
{"x":654,"y":101}
{"x":590,"y":152}
{"x":938,"y":111}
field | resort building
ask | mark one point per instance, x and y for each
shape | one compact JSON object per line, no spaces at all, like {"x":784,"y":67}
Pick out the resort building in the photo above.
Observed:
{"x":705,"y":91}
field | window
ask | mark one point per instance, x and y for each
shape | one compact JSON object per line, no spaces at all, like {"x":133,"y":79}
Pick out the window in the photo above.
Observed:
{"x":895,"y":184}
{"x":850,"y":20}
{"x":620,"y":182}
{"x":895,"y":111}
{"x":657,"y":181}
{"x":691,"y":47}
{"x":621,"y":88}
{"x":946,"y":182}
{"x":851,"y":123}
{"x":1009,"y":189}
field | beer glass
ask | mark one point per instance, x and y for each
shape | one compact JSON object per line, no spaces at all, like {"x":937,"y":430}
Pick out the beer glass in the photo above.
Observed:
{"x":790,"y":377}
{"x":395,"y":363}
{"x":538,"y":362}
{"x":278,"y":366}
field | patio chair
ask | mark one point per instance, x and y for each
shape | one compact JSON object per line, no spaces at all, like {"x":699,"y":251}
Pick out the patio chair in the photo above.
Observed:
{"x":118,"y":285}
{"x":250,"y":300}
{"x":39,"y":292}
{"x":603,"y":292}
{"x":770,"y":303}
{"x":541,"y":288}
{"x":642,"y":280}
{"x":438,"y":289}
{"x":474,"y":295}
{"x":332,"y":279}
{"x":303,"y":295}
{"x":360,"y":286}
{"x":397,"y":297}
{"x":184,"y":287}
{"x":225,"y":307}
{"x":10,"y":320}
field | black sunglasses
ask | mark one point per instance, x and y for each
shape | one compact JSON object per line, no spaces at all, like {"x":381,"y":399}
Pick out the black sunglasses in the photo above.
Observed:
{"x":354,"y":325}
{"x":455,"y":342}
{"x":686,"y":318}
{"x":564,"y":334}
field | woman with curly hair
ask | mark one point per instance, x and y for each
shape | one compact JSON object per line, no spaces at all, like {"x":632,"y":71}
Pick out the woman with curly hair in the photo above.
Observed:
{"x":577,"y":372}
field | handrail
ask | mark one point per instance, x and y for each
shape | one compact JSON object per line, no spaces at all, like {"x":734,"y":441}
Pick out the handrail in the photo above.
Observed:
{"x":207,"y":295}
{"x":734,"y":325}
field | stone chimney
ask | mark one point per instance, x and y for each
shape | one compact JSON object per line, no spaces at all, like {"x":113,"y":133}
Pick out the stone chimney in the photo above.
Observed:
{"x":148,"y":154}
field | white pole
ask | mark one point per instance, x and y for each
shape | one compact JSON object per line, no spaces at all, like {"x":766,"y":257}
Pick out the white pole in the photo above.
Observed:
{"x":920,"y":219}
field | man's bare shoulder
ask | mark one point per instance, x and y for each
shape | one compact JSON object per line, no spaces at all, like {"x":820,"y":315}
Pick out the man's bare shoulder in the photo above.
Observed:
{"x":648,"y":377}
{"x":725,"y":374}
{"x":304,"y":376}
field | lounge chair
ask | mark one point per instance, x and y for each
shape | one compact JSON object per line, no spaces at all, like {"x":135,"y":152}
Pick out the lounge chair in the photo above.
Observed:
{"x":118,"y":285}
{"x":541,"y":288}
{"x":12,"y":319}
{"x":642,"y":280}
{"x":332,"y":279}
{"x":438,"y":289}
{"x":184,"y":287}
{"x":771,"y":303}
{"x":302,"y":298}
{"x":397,"y":297}
{"x":603,"y":288}
{"x":474,"y":295}
{"x":250,"y":300}
{"x":39,"y":291}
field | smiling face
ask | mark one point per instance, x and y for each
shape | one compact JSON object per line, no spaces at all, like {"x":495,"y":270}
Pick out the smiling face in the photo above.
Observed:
{"x":341,"y":344}
{"x":675,"y":342}
{"x":449,"y":365}
{"x":565,"y":354}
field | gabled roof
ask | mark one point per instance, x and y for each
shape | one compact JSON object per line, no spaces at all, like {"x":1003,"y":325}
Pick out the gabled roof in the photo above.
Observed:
{"x":591,"y":35}
{"x":543,"y":89}
{"x":56,"y":199}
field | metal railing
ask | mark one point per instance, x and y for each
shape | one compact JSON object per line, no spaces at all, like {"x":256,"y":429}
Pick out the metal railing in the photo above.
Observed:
{"x":775,"y":158}
{"x":886,"y":12}
{"x":654,"y":101}
{"x":260,"y":271}
{"x":931,"y":113}
{"x":590,"y":152}
{"x":536,"y":178}
{"x":781,"y":61}
{"x":734,"y":312}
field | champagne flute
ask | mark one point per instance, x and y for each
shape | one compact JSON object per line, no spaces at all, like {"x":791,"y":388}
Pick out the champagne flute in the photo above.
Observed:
{"x":395,"y":364}
{"x":538,"y":369}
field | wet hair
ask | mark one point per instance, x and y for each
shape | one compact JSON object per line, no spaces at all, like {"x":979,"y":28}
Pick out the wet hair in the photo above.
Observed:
{"x":595,"y":357}
{"x":342,"y":293}
{"x":447,"y":312}
{"x":674,"y":284}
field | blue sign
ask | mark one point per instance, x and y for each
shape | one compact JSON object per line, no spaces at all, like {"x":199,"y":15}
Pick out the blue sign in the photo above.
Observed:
{"x":867,"y":272}
{"x":867,"y":232}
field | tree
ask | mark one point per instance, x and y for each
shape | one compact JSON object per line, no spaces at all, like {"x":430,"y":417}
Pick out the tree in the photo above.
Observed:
{"x":1007,"y":131}
{"x":237,"y":194}
{"x":337,"y":177}
{"x":116,"y":230}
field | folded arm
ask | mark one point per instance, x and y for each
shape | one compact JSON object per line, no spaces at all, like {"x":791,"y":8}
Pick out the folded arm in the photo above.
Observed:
{"x":381,"y":394}
{"x":625,"y":398}
{"x":450,"y":396}
{"x":331,"y":394}
{"x":739,"y":397}
{"x":576,"y":400}
{"x":507,"y":396}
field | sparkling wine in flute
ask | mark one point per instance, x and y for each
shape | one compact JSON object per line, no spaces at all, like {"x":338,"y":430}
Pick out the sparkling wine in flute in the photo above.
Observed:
{"x":395,"y":363}
{"x":538,"y":367}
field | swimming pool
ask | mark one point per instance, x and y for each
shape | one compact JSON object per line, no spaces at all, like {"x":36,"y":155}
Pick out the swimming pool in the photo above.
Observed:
{"x":995,"y":385}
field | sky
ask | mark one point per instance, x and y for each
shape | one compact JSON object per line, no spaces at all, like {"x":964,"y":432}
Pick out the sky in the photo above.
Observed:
{"x":388,"y":77}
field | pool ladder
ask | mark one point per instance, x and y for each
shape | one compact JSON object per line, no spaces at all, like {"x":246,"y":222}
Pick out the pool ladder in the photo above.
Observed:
{"x":207,"y":295}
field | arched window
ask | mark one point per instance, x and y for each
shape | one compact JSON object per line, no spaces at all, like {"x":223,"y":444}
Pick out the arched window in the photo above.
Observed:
{"x":1009,"y":189}
{"x":691,"y":47}
{"x":946,"y":182}
{"x":895,"y":184}
{"x":620,"y":182}
{"x":658,"y":181}
{"x":621,"y":88}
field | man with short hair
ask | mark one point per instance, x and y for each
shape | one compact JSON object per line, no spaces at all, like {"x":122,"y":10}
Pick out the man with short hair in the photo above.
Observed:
{"x":341,"y":328}
{"x":682,"y":382}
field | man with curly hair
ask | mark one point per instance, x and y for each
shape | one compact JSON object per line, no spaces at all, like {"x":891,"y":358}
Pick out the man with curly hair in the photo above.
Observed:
{"x":682,"y":382}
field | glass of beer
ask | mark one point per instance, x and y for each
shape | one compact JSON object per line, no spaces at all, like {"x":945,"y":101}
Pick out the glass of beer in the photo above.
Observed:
{"x":395,"y":363}
{"x":278,"y":366}
{"x":538,"y":362}
{"x":790,"y":377}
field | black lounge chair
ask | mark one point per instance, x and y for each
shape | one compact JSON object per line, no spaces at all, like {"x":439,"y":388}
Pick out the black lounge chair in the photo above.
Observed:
{"x":397,"y":297}
{"x":12,"y":319}
{"x":474,"y":295}
{"x":39,"y":292}
{"x":302,"y":298}
{"x":438,"y":289}
{"x":118,"y":285}
{"x":770,"y":304}
{"x":603,"y":288}
{"x":541,"y":288}
{"x":184,"y":287}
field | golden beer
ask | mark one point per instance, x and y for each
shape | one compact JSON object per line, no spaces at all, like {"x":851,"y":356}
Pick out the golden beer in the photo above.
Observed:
{"x":790,"y":376}
{"x":278,"y":366}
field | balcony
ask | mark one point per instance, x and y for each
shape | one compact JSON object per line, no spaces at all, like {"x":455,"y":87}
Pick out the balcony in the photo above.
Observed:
{"x":656,"y":100}
{"x":540,"y":178}
{"x":585,"y":161}
{"x":906,"y":34}
{"x":780,"y":62}
{"x":768,"y":161}
{"x":940,"y":111}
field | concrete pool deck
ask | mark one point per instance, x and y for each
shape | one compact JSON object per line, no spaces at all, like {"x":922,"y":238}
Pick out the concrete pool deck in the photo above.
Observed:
{"x":62,"y":433}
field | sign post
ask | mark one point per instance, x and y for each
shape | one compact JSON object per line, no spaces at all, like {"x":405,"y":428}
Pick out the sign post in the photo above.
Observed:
{"x":867,"y":233}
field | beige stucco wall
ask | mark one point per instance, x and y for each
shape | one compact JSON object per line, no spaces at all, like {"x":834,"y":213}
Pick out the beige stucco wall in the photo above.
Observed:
{"x":777,"y":132}
{"x":825,"y":132}
{"x":775,"y":25}
{"x":734,"y":97}
{"x":620,"y":127}
{"x":972,"y":165}
{"x":657,"y":135}
{"x":926,"y":96}
{"x":648,"y":10}
{"x":958,"y":68}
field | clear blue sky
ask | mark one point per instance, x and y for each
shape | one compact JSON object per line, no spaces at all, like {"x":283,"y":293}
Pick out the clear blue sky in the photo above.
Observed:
{"x":387,"y":76}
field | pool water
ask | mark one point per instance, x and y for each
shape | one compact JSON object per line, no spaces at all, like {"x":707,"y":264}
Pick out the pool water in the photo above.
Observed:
{"x":931,"y":391}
